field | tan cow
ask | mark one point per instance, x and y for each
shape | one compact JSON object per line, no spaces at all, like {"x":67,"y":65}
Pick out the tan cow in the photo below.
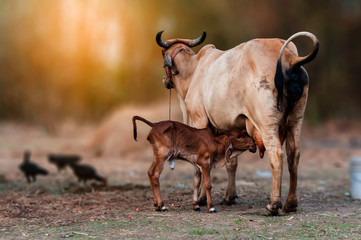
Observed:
{"x":259,"y":85}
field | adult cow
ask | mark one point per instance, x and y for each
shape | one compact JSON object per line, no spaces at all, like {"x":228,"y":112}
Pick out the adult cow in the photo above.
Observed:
{"x":259,"y":85}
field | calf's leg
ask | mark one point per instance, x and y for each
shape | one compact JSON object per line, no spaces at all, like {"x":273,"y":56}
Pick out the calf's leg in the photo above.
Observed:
{"x":231,"y":193}
{"x":196,"y":184}
{"x":206,"y":176}
{"x":202,"y":199}
{"x":154,"y":172}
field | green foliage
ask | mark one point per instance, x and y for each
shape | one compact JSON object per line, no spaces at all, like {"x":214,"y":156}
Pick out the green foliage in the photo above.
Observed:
{"x":203,"y":231}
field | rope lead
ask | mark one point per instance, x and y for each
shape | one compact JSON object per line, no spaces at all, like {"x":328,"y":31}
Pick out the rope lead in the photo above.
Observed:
{"x":170,"y":102}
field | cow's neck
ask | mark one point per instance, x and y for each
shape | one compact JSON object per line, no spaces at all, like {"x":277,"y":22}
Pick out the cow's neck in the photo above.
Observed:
{"x":186,"y":65}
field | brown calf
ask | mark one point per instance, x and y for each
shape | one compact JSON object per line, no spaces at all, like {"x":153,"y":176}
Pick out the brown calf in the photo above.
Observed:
{"x":200,"y":147}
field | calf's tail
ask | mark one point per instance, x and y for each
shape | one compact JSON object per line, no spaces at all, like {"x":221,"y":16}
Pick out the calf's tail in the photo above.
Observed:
{"x":135,"y":125}
{"x":297,"y":77}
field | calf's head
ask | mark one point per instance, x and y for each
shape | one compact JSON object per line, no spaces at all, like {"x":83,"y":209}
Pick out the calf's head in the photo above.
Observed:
{"x":239,"y":141}
{"x":171,"y":48}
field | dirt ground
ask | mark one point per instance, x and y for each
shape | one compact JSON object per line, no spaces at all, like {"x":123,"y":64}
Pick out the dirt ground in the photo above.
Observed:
{"x":56,"y":206}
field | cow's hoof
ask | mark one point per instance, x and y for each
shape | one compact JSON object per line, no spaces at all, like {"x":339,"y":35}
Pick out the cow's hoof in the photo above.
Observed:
{"x":271,"y":213}
{"x":202,"y":201}
{"x":197,"y":208}
{"x":229,"y":202}
{"x":273,"y":209}
{"x":290,"y":207}
{"x":212,"y":210}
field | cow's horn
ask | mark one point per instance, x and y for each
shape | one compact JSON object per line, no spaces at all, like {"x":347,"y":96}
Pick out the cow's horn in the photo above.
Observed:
{"x":160,"y":42}
{"x":196,"y":42}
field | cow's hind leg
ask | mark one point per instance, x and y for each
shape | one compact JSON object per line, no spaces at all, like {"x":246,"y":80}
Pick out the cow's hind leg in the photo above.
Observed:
{"x":275,"y":152}
{"x":293,"y":156}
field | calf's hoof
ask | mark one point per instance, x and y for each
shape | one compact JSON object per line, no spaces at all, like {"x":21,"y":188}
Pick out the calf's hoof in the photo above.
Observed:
{"x":212,"y":210}
{"x":197,"y":208}
{"x":290,"y":207}
{"x":161,"y":209}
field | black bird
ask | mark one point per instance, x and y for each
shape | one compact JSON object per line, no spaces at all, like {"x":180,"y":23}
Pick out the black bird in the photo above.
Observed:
{"x":86,"y":172}
{"x":31,"y":169}
{"x":61,"y":160}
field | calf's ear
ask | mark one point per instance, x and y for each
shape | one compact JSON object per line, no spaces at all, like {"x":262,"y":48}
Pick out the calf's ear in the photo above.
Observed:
{"x":229,"y":152}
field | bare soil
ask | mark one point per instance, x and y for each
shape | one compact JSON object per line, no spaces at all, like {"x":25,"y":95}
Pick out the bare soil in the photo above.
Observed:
{"x":58,"y":200}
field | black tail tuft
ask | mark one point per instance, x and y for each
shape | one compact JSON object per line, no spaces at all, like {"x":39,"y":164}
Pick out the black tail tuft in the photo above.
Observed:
{"x":279,"y":80}
{"x":295,"y":78}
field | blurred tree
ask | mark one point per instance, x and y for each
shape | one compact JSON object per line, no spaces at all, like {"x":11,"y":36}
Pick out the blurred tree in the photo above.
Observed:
{"x":81,"y":58}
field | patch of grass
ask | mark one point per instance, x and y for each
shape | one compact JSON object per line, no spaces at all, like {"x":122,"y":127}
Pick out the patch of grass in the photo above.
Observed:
{"x":186,"y":224}
{"x":150,"y":225}
{"x":203,"y":231}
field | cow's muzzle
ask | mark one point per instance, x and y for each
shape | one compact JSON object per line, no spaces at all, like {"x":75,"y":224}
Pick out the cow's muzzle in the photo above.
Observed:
{"x":167,"y":82}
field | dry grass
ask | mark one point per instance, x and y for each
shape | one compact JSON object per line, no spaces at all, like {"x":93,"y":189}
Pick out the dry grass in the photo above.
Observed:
{"x":56,"y":205}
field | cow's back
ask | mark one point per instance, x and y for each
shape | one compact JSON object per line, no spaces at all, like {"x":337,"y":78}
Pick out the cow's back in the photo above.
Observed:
{"x":240,"y":83}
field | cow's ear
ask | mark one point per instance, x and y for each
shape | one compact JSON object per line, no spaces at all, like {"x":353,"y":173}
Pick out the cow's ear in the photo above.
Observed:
{"x":167,"y":60}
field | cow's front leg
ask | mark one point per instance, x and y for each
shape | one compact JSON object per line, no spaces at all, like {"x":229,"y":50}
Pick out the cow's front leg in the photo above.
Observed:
{"x":275,"y":153}
{"x":231,"y":193}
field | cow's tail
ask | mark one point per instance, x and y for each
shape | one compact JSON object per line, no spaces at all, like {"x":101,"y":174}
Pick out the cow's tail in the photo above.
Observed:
{"x":135,"y":125}
{"x":296,"y":77}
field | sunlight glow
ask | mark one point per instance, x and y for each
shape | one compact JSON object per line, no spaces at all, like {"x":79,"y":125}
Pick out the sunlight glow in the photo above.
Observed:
{"x":89,"y":23}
